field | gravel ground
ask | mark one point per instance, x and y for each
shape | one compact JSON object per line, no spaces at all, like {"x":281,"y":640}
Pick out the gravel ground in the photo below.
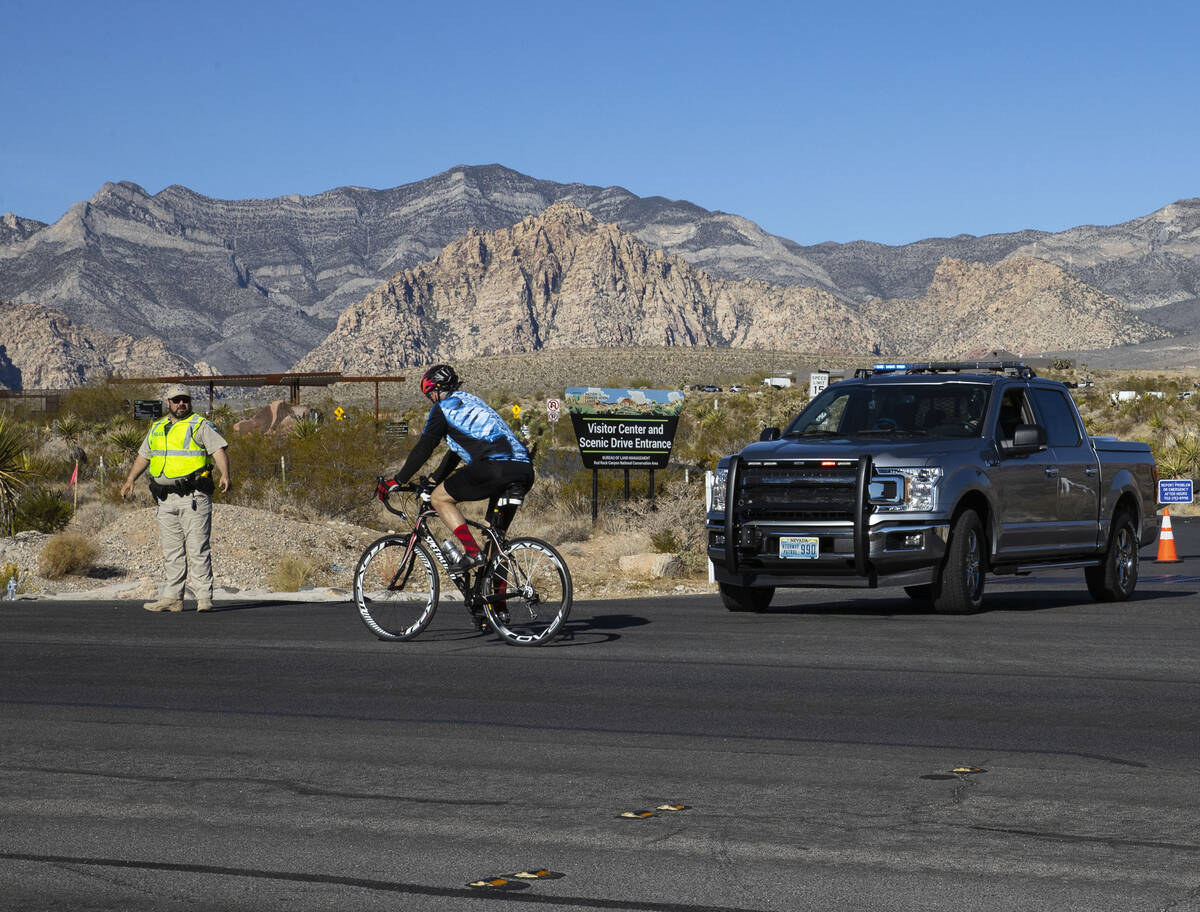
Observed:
{"x":248,"y":545}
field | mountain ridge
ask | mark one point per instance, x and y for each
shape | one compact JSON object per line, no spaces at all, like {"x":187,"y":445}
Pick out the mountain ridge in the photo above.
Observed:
{"x":254,"y":285}
{"x":564,"y":279}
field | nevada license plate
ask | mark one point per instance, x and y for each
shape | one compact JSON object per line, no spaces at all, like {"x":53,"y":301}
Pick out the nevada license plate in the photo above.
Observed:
{"x":793,"y":547}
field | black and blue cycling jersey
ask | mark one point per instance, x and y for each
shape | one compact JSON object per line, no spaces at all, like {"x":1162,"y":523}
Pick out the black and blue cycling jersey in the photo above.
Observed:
{"x":473,"y":431}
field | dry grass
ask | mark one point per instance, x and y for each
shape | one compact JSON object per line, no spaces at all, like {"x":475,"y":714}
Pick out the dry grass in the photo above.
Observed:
{"x":68,"y":553}
{"x":293,"y":572}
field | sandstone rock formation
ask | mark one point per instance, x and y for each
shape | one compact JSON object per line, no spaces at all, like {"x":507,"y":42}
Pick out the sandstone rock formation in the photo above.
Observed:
{"x":42,"y":349}
{"x":1021,"y":304}
{"x":276,"y":417}
{"x":564,"y":279}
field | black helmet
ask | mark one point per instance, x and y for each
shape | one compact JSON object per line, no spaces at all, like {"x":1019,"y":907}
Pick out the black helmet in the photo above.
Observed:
{"x":440,"y":377}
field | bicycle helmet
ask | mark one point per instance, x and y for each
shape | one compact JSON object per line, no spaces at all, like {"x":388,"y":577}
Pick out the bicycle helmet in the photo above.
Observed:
{"x":440,"y":377}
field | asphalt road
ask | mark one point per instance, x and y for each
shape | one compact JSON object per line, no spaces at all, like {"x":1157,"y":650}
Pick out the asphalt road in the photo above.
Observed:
{"x":276,"y":756}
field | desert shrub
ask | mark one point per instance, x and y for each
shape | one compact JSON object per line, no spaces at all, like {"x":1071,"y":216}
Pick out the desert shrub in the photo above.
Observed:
{"x":706,"y":433}
{"x":665,"y":541}
{"x":674,"y":526}
{"x":67,"y":553}
{"x":293,"y":572}
{"x":41,"y":510}
{"x":99,"y":402}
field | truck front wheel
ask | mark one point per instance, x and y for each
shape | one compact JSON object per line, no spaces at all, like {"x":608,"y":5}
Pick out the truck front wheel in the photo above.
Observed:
{"x":958,"y":587}
{"x":746,"y":598}
{"x":1116,"y":578}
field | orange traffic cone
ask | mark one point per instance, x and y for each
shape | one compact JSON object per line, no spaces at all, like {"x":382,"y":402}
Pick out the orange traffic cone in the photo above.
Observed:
{"x":1166,"y":541}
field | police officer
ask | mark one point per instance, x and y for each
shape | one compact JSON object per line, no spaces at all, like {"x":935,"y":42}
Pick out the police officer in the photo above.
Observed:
{"x":180,"y":450}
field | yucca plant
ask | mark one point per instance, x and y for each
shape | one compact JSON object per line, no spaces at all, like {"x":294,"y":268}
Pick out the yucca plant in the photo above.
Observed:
{"x":1188,"y":448}
{"x":70,"y":428}
{"x":223,"y":418}
{"x":42,"y":510}
{"x":126,"y":439}
{"x":14,"y":470}
{"x":305,"y":428}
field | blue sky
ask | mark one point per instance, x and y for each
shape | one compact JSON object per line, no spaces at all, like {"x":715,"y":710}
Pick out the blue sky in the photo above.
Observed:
{"x":880,"y":121}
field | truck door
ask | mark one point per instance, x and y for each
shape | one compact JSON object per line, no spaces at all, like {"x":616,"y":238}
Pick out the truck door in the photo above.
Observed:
{"x":1026,"y":486}
{"x":1078,"y":471}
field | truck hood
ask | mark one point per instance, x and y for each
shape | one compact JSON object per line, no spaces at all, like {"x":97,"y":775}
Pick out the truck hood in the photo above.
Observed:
{"x":887,"y":450}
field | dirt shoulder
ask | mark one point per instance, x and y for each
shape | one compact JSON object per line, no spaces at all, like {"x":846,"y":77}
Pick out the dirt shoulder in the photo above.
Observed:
{"x":249,"y":545}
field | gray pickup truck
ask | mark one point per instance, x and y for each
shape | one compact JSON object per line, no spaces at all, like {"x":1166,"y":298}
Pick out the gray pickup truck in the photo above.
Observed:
{"x":929,"y":476}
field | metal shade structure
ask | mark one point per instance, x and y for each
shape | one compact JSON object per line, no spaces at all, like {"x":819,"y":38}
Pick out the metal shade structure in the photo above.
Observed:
{"x":292,"y":381}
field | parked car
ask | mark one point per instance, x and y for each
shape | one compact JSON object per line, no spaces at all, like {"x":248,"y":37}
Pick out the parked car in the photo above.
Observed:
{"x":928,"y":477}
{"x":710,"y":388}
{"x":736,"y":388}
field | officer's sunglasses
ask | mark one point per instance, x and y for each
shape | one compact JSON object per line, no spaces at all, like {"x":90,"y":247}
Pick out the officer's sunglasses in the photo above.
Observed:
{"x":180,"y":399}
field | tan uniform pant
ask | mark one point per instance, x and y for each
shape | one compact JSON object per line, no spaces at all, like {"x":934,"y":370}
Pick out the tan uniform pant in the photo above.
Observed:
{"x":185,"y":524}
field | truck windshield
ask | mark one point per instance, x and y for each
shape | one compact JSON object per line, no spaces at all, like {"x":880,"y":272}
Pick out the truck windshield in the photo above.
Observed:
{"x":947,"y":409}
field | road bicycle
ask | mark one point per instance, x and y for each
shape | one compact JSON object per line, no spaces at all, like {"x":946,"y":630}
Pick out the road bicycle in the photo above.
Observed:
{"x":522,"y":590}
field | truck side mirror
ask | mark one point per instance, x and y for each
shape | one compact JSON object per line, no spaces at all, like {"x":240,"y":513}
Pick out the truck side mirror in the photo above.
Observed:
{"x":1026,"y":439}
{"x":771,"y":433}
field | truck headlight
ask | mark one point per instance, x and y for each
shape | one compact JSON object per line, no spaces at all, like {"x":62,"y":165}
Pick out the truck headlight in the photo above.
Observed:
{"x":716,"y":497}
{"x":920,"y":486}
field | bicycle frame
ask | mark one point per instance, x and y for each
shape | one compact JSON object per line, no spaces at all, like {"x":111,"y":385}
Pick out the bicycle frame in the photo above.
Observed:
{"x":493,"y":547}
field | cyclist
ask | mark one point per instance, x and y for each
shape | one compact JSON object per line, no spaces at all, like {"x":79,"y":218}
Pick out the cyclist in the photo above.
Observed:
{"x":497,"y":465}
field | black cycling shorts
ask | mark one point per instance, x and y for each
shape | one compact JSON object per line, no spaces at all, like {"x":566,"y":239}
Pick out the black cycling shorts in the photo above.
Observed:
{"x":485,"y":477}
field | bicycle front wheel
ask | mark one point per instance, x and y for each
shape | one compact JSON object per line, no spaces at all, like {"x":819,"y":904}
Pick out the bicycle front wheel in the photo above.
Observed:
{"x":529,"y":593}
{"x":395,"y":597}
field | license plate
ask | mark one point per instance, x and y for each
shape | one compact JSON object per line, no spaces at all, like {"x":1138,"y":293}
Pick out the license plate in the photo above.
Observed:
{"x":793,"y":547}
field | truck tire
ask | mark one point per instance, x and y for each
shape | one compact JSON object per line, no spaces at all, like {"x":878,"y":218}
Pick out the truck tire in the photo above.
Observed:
{"x":746,"y":598}
{"x":1116,"y":577}
{"x":958,"y":586}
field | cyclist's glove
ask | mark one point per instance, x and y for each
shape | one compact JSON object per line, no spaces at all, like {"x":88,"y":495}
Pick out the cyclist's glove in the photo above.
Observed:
{"x":386,"y":487}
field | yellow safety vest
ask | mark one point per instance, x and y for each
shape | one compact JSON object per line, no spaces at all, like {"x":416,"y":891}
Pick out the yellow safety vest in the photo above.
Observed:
{"x":174,"y":452}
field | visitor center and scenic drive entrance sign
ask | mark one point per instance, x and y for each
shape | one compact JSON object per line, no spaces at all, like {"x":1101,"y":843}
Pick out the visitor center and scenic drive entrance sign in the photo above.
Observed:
{"x":623,"y":429}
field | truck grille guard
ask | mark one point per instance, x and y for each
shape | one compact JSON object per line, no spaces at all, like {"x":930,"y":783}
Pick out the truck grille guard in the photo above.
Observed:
{"x":863,"y":473}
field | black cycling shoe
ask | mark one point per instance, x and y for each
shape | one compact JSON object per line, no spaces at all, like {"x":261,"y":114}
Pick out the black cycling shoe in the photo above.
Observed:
{"x":466,"y":563}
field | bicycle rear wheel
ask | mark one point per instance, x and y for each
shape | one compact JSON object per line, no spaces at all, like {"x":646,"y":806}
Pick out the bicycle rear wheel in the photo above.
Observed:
{"x":396,"y":598}
{"x":528,"y":593}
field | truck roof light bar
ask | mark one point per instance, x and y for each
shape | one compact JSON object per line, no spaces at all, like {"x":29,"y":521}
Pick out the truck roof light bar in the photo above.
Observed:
{"x":1012,"y":368}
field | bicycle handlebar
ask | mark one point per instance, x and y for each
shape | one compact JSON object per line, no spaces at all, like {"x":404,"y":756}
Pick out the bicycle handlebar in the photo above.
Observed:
{"x":423,"y":487}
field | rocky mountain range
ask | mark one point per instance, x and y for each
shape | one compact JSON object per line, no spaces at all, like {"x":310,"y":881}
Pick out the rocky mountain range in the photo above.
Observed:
{"x":255,"y":285}
{"x":43,"y":349}
{"x":564,"y":279}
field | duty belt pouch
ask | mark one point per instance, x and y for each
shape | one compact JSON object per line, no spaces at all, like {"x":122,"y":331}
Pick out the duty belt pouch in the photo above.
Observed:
{"x":198,"y":481}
